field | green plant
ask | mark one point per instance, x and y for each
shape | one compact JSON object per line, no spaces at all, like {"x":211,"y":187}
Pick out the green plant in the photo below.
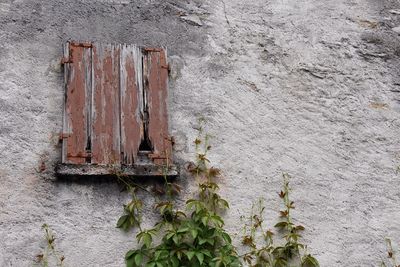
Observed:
{"x":291,"y":252}
{"x":49,"y":254}
{"x":191,"y":237}
{"x":391,"y":255}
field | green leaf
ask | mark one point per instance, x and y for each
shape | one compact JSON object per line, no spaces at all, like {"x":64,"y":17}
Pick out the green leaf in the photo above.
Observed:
{"x":206,"y":252}
{"x":200,"y":257}
{"x":145,"y":237}
{"x":309,"y":261}
{"x":204,"y":220}
{"x":217,"y":220}
{"x":299,"y":228}
{"x":281,"y":225}
{"x":130,"y":262}
{"x":122,"y":221}
{"x":183,"y":230}
{"x":130,"y":253}
{"x":226,"y":237}
{"x":280,"y":262}
{"x":202,"y":241}
{"x":174,"y":261}
{"x":190,"y":254}
{"x":138,"y":259}
{"x":175,"y":238}
{"x":223,"y":203}
{"x":194,"y":233}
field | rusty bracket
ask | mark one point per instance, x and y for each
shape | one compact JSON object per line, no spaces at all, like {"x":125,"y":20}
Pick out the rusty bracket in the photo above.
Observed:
{"x":166,"y":67}
{"x":63,"y":136}
{"x":65,"y":60}
{"x":172,"y":140}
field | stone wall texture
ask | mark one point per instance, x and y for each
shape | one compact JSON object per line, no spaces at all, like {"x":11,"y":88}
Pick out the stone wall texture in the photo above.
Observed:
{"x":307,"y":87}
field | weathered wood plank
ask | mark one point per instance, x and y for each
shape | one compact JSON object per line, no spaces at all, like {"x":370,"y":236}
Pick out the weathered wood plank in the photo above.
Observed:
{"x":76,"y":117}
{"x":106,"y":104}
{"x":156,"y":86}
{"x":131,"y":122}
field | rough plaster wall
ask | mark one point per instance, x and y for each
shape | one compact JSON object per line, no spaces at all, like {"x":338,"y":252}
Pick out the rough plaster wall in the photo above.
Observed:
{"x":307,"y":87}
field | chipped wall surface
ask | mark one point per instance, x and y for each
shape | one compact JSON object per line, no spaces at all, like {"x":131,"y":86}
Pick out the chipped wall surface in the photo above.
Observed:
{"x":308,"y":87}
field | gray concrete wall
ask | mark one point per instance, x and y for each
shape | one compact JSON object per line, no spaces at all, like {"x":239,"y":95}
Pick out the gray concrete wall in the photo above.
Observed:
{"x":307,"y":87}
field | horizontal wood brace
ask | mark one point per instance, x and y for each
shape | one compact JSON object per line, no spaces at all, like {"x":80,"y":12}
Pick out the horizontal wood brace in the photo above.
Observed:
{"x":153,"y":49}
{"x":79,"y":155}
{"x":156,"y":156}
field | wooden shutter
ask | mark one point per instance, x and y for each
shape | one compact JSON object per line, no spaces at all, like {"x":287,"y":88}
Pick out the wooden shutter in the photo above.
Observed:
{"x":156,"y":99}
{"x":115,"y":99}
{"x":78,"y":83}
{"x":131,"y":103}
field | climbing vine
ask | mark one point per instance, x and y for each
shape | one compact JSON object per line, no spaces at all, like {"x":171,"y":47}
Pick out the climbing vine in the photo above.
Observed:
{"x":50,"y":254}
{"x":195,"y":236}
{"x":290,"y":252}
{"x":191,"y":237}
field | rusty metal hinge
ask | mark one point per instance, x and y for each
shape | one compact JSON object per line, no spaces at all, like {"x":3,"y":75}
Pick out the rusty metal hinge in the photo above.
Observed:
{"x":83,"y":44}
{"x":166,"y":67}
{"x":64,"y":136}
{"x":65,"y":60}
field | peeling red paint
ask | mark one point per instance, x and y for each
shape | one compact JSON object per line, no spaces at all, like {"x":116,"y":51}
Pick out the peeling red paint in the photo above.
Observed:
{"x":131,"y":123}
{"x":157,"y":97}
{"x":105,"y":109}
{"x":76,"y":102}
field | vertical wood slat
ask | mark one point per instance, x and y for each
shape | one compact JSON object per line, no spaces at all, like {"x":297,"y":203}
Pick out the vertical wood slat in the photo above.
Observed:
{"x":106,"y":104}
{"x":156,"y":73}
{"x":77,"y":103}
{"x":131,"y":122}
